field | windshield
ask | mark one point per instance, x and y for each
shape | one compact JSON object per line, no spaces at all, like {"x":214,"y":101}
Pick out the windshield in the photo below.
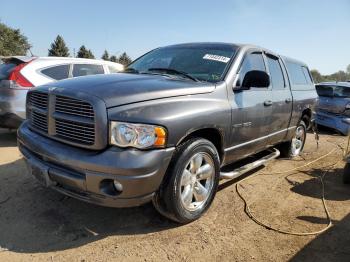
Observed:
{"x":201,"y":62}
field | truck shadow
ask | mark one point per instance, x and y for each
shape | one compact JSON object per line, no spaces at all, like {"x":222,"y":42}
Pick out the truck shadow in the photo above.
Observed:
{"x":332,"y":245}
{"x":335,"y":190}
{"x":36,"y":219}
{"x":8,"y":138}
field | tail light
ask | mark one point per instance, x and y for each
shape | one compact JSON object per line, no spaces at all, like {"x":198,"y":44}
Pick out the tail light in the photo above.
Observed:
{"x":19,"y":80}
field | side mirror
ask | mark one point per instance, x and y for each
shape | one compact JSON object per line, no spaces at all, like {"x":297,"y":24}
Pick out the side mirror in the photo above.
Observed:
{"x":255,"y":78}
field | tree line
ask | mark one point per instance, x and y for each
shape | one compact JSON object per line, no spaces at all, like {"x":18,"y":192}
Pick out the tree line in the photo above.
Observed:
{"x":59,"y":48}
{"x":339,"y":76}
{"x":13,"y":42}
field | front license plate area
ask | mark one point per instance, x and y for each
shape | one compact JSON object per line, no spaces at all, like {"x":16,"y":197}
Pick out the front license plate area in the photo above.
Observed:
{"x":41,"y":173}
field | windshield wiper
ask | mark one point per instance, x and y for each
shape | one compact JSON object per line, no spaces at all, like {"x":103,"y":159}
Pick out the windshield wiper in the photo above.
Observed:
{"x":173,"y":71}
{"x":130,"y":70}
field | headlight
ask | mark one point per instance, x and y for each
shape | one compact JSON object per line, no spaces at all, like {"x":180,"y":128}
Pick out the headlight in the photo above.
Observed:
{"x":347,"y":106}
{"x":137,"y":135}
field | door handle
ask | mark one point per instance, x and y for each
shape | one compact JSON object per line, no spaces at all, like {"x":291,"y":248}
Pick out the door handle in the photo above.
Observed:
{"x":288,"y":100}
{"x":267,"y":103}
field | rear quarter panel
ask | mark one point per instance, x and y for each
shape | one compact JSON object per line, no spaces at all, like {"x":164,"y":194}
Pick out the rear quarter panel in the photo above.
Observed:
{"x":303,"y":99}
{"x":304,"y":95}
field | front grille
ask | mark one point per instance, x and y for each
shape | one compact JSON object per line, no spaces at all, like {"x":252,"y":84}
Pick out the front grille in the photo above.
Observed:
{"x":38,"y":99}
{"x":39,"y":121}
{"x":75,"y":132}
{"x":68,"y":120}
{"x":75,"y":107}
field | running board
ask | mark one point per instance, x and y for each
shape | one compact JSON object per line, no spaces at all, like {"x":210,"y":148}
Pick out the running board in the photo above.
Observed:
{"x":248,"y":167}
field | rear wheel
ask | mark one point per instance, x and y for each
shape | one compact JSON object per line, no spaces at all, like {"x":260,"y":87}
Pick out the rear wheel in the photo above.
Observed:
{"x":191,"y":181}
{"x":294,"y":147}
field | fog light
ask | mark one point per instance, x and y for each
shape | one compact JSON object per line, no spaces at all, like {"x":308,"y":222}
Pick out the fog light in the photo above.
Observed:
{"x":111,"y":187}
{"x":118,"y":186}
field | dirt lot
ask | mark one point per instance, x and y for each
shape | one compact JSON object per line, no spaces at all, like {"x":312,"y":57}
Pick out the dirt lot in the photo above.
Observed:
{"x":39,"y":224}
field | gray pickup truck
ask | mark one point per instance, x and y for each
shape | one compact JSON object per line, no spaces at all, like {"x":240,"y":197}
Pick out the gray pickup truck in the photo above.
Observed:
{"x":163,"y":130}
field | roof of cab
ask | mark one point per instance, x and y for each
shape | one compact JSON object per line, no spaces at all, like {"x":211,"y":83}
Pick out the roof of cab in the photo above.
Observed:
{"x":235,"y":45}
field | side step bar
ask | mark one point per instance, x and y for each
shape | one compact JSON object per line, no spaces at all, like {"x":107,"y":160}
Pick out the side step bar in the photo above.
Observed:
{"x":248,"y":167}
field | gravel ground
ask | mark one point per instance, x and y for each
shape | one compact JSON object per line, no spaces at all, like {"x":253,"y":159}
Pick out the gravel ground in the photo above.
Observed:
{"x":39,"y":224}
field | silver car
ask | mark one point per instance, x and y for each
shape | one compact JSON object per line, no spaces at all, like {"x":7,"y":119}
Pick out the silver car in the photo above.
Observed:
{"x":18,"y":74}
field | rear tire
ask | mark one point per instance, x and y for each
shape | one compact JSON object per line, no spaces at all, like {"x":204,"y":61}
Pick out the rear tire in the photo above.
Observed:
{"x":295,"y":146}
{"x":190,"y":182}
{"x":346,"y":174}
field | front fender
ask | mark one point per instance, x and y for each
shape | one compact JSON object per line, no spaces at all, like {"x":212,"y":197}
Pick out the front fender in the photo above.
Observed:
{"x":180,"y":115}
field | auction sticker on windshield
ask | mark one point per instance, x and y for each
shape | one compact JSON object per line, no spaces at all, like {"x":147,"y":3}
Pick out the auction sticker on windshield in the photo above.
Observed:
{"x":218,"y":58}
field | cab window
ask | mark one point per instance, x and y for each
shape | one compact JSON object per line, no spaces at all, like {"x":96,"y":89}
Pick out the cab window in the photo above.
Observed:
{"x":276,"y":74}
{"x":252,"y":61}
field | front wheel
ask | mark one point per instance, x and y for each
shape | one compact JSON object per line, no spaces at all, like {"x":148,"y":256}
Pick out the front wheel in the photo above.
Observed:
{"x":191,"y":181}
{"x":295,"y":146}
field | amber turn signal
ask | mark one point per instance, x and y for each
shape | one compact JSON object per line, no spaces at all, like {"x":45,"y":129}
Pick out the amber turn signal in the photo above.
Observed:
{"x":161,"y":136}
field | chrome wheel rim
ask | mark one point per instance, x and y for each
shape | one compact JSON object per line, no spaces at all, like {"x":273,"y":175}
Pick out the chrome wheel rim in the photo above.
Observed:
{"x":298,"y":140}
{"x":197,"y":181}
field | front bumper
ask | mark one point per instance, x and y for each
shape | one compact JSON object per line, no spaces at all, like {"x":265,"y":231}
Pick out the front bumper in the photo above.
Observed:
{"x":12,"y":107}
{"x":88,"y":175}
{"x":338,"y":122}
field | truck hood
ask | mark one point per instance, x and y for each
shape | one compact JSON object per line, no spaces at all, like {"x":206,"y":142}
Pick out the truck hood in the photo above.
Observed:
{"x":120,"y":89}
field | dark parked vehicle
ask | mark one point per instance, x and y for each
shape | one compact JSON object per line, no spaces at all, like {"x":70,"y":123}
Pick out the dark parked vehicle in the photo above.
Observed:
{"x":162,"y":130}
{"x":333,"y":109}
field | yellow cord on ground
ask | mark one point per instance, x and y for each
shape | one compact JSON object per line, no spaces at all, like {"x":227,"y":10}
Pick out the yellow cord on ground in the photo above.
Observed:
{"x":256,"y":220}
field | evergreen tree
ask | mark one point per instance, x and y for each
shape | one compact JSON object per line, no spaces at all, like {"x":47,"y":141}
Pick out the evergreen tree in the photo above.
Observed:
{"x":124,"y":59}
{"x":59,"y":48}
{"x":113,"y":59}
{"x":91,"y":55}
{"x":85,"y":53}
{"x":105,"y":56}
{"x":12,"y":42}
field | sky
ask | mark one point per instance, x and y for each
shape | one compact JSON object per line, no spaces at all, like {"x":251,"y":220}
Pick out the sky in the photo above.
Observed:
{"x":314,"y":31}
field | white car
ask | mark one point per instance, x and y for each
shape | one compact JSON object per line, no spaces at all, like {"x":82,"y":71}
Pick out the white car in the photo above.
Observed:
{"x":18,"y":74}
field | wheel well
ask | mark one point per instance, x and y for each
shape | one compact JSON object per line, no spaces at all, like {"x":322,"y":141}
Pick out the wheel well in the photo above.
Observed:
{"x":307,"y":119}
{"x":211,"y":134}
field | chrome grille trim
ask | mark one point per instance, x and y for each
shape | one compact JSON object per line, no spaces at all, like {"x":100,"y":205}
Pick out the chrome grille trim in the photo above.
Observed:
{"x":39,"y":121}
{"x":75,"y":132}
{"x":66,"y":119}
{"x":39,"y":100}
{"x":71,"y":106}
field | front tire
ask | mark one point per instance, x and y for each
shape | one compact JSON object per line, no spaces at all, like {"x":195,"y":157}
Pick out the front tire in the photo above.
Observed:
{"x":190,"y":183}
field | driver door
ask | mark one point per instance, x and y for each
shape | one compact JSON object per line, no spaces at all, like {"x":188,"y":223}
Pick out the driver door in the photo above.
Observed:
{"x":251,"y":112}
